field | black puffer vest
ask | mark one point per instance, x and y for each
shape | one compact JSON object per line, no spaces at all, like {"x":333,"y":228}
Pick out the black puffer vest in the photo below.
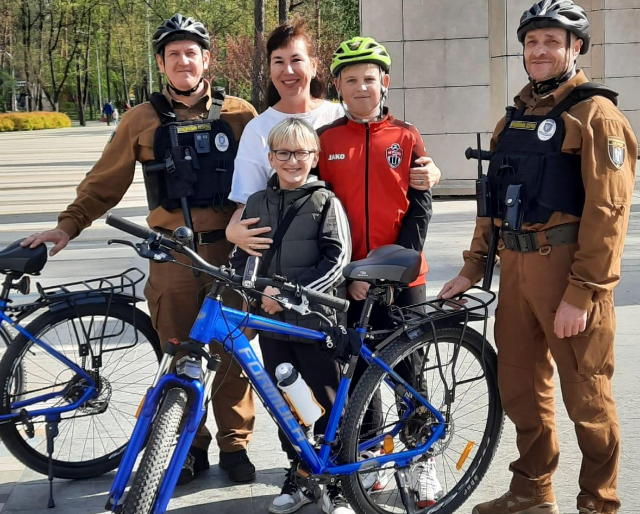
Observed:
{"x":300,"y":247}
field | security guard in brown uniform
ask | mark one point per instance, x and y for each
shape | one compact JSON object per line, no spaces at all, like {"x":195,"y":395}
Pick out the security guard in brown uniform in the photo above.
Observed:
{"x":560,"y":180}
{"x":187,"y":169}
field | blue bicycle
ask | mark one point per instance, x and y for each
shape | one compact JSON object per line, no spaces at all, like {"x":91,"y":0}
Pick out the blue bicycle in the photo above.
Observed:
{"x":72,"y":378}
{"x":435,"y":374}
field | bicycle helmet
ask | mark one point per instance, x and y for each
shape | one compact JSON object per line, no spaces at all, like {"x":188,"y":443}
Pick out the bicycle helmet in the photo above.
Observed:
{"x":179,"y":28}
{"x":563,"y":14}
{"x":360,"y":50}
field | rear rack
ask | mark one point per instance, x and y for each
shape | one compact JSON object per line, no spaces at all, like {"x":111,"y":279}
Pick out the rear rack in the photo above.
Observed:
{"x":121,"y":284}
{"x":464,"y":308}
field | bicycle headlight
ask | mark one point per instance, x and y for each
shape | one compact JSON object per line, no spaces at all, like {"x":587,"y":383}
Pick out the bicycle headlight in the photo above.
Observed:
{"x":189,"y":367}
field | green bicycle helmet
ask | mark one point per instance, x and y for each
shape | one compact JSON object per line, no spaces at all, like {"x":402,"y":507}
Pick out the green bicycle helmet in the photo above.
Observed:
{"x":359,"y":50}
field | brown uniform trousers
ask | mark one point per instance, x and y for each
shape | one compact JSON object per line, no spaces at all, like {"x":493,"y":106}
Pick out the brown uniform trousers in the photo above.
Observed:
{"x":532,"y":285}
{"x":173,"y":293}
{"x":175,"y":296}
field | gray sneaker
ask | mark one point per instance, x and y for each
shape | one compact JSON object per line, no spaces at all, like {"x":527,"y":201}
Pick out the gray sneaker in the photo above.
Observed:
{"x":291,"y":498}
{"x":334,"y":502}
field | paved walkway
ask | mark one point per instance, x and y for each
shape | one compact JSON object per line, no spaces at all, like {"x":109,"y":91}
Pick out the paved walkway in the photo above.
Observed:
{"x":38,"y":175}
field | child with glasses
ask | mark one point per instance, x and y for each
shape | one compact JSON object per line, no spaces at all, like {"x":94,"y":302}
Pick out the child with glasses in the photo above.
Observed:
{"x":312,"y":252}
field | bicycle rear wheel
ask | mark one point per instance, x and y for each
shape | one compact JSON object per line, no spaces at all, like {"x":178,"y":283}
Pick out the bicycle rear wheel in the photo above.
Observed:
{"x":157,"y":454}
{"x":443,"y":478}
{"x":92,"y":438}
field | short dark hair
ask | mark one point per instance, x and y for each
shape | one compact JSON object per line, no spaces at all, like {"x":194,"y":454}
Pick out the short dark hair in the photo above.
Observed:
{"x":282,"y":36}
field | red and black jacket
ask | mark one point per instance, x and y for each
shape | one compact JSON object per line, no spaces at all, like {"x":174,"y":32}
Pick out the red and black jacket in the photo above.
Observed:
{"x":367,"y":165}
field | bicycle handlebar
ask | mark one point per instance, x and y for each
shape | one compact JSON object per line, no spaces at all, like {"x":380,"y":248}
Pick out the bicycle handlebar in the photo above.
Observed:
{"x":483,"y":155}
{"x":223,"y":274}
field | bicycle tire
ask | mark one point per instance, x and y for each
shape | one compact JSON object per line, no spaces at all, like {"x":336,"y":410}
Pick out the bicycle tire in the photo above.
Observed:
{"x":361,"y":499}
{"x":157,"y":454}
{"x":23,"y":359}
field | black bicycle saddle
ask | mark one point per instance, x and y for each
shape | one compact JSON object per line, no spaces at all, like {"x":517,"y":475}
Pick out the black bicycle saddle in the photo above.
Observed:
{"x":16,"y":259}
{"x":389,"y":264}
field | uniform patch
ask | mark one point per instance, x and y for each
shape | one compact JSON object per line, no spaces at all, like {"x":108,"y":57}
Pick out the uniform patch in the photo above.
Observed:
{"x":617,"y":149}
{"x":394,"y":155}
{"x":222,"y":142}
{"x":546,"y":130}
{"x":523,"y":125}
{"x":194,"y":128}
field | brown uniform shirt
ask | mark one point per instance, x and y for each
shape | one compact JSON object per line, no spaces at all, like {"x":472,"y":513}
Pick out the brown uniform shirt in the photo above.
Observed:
{"x":590,"y":126}
{"x":108,"y":181}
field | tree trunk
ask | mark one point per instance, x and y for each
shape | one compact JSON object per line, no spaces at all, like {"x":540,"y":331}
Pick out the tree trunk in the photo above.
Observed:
{"x":125,"y":87}
{"x":108,"y":62}
{"x":283,"y":11}
{"x":256,"y":74}
{"x":318,"y":20}
{"x":79,"y":104}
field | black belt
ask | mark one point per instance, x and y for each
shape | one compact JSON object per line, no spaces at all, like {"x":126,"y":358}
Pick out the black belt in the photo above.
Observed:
{"x":211,"y":237}
{"x":534,"y":241}
{"x":205,"y":238}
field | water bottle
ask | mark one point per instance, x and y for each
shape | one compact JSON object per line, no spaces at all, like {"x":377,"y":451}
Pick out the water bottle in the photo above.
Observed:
{"x":300,"y":397}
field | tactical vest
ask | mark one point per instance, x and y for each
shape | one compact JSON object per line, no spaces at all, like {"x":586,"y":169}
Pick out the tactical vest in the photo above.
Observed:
{"x":529,"y":156}
{"x":192,"y":159}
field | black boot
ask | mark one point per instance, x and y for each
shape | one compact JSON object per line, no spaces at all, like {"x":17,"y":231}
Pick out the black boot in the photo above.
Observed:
{"x":197,"y":461}
{"x":238,"y":466}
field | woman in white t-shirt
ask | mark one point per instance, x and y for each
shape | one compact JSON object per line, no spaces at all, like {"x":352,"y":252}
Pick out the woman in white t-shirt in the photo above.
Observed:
{"x":294,"y":90}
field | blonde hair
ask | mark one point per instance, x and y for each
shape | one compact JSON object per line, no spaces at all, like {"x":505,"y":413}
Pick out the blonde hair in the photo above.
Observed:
{"x":296,"y":131}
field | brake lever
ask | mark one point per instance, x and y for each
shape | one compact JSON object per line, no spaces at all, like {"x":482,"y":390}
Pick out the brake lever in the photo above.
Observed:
{"x":144,"y":251}
{"x":302,"y":308}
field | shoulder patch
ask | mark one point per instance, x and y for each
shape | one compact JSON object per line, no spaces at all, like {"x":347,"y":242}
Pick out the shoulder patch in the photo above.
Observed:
{"x":617,"y":150}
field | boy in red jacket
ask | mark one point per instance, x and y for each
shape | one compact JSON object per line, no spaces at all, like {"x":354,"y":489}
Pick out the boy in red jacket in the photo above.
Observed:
{"x":367,"y":158}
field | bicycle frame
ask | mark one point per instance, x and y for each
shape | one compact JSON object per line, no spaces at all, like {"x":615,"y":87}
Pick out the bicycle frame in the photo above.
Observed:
{"x":216,"y":322}
{"x":50,"y":413}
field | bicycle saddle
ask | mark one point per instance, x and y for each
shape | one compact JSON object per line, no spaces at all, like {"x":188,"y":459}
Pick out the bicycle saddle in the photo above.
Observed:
{"x":23,"y":260}
{"x":388,"y":264}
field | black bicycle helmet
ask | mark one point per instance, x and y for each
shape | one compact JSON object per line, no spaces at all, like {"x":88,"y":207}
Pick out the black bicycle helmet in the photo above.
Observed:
{"x":179,"y":28}
{"x":564,"y":14}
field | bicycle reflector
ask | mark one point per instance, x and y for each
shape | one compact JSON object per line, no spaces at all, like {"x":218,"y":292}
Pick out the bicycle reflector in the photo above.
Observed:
{"x":464,"y":455}
{"x":388,"y":444}
{"x":140,"y":406}
{"x":24,"y":286}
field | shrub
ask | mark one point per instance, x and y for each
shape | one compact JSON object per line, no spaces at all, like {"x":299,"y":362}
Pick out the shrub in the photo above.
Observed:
{"x":15,"y":121}
{"x":6,"y":125}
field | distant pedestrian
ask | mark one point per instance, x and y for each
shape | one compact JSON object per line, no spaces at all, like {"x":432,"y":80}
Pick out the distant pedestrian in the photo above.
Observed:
{"x":107,"y":110}
{"x":115,"y":116}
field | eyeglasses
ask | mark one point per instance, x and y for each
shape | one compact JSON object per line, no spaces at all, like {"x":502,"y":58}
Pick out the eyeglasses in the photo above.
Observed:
{"x":285,"y":155}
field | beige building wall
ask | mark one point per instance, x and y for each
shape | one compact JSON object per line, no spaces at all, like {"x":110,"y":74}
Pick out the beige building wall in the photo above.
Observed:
{"x":458,"y":63}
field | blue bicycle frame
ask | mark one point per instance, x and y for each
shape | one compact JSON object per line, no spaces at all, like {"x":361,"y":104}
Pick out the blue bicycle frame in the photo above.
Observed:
{"x":218,"y":323}
{"x":50,"y":413}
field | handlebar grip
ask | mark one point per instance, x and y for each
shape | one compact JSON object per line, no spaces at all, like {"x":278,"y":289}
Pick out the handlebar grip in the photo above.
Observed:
{"x":155,"y":167}
{"x":471,"y":153}
{"x":328,"y":300}
{"x":129,"y":227}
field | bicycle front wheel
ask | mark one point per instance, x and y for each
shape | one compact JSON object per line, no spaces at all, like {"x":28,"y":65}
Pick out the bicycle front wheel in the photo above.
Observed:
{"x":157,"y":454}
{"x":455,"y":371}
{"x":119,"y":348}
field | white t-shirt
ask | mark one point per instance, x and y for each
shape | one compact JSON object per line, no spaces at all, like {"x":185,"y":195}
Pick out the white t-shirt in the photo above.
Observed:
{"x":252,"y":169}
